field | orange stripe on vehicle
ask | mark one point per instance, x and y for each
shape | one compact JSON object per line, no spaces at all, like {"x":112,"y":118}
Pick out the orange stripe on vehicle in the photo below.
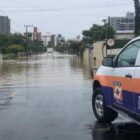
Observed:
{"x":132,"y":85}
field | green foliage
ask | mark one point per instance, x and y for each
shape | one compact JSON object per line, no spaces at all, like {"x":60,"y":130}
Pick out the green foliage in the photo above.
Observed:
{"x":88,"y":36}
{"x":14,"y":43}
{"x":98,"y":33}
{"x":71,"y":47}
{"x":15,"y":48}
{"x":16,"y":38}
{"x":50,"y":45}
{"x":74,"y":47}
{"x":8,"y":40}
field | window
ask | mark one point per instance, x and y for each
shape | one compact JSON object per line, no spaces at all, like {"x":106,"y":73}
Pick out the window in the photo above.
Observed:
{"x":127,"y":58}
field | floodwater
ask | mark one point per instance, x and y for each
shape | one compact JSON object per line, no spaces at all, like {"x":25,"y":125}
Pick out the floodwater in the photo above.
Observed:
{"x":48,"y":97}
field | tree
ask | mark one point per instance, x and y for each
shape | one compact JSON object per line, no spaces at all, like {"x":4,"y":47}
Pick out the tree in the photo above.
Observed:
{"x":137,"y":17}
{"x":87,"y":36}
{"x":98,"y":33}
{"x":15,"y":48}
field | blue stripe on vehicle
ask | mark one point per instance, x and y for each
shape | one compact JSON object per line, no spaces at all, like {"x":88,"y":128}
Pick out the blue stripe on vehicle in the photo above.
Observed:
{"x":129,"y":99}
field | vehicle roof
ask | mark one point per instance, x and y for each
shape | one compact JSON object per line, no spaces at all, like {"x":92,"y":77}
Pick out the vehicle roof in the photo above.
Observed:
{"x":137,"y":38}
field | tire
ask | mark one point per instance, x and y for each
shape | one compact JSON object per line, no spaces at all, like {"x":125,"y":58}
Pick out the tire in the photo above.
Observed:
{"x":102,"y":112}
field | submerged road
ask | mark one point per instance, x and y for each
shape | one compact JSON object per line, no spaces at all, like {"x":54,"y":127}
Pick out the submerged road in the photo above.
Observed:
{"x":48,"y":97}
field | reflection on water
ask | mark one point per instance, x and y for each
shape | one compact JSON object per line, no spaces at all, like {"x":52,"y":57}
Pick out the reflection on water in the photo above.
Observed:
{"x":58,"y":69}
{"x":78,"y":64}
{"x":117,"y":131}
{"x":43,"y":70}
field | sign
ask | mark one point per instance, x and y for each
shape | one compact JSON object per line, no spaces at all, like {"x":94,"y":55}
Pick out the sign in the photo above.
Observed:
{"x":110,"y":42}
{"x":118,"y":91}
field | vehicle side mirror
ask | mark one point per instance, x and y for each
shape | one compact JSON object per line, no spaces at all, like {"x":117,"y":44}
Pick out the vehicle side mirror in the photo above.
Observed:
{"x":108,"y":62}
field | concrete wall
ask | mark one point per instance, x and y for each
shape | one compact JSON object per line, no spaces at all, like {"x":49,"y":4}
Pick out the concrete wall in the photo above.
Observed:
{"x":86,"y":58}
{"x":98,"y":54}
{"x":92,"y":59}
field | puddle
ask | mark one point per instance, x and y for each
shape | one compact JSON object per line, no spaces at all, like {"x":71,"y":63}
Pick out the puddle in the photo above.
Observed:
{"x":115,"y":131}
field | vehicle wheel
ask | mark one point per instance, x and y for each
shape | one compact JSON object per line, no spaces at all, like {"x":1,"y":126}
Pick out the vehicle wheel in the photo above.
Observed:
{"x":102,"y":112}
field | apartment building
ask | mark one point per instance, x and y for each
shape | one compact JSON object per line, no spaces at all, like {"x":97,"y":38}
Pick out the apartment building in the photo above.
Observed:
{"x":4,"y":25}
{"x":123,"y":23}
{"x":124,"y":26}
{"x":36,"y":35}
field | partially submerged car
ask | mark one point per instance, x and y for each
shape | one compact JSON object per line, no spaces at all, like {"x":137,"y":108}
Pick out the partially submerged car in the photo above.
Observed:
{"x":116,"y":86}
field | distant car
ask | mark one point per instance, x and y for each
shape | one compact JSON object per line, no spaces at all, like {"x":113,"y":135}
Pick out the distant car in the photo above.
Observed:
{"x":49,"y":50}
{"x":116,"y":86}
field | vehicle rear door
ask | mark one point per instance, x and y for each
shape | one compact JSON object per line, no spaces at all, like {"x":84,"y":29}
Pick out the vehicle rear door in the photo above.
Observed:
{"x":136,"y":82}
{"x":123,"y":74}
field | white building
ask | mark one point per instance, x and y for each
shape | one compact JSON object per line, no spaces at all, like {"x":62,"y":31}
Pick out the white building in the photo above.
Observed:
{"x":46,"y":39}
{"x":123,"y":23}
{"x":124,"y":26}
{"x":125,"y":34}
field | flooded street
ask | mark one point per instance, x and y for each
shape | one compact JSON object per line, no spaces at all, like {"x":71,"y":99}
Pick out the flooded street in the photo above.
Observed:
{"x":48,"y":97}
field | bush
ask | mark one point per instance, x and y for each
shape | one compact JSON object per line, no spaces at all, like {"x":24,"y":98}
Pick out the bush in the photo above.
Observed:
{"x":15,"y":48}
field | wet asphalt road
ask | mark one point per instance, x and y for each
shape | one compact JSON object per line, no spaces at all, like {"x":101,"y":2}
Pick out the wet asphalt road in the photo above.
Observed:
{"x":48,"y":97}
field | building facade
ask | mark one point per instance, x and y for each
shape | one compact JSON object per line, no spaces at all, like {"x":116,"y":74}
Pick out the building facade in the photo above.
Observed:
{"x":123,"y":23}
{"x":46,"y":39}
{"x":5,"y":25}
{"x":60,"y":39}
{"x":36,"y":35}
{"x":54,"y":40}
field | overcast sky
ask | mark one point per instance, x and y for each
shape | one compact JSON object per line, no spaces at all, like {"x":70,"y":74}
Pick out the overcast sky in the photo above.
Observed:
{"x":68,"y":17}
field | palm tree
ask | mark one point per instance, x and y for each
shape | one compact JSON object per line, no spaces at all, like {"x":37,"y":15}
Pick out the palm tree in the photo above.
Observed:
{"x":137,"y":17}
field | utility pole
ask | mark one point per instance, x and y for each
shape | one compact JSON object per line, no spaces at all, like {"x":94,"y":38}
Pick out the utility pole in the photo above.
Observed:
{"x":45,"y":41}
{"x":26,"y":47}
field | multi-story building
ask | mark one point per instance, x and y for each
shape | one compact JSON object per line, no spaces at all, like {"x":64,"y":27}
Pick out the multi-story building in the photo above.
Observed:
{"x":54,"y":40}
{"x":47,"y":39}
{"x":60,"y":39}
{"x":4,"y":25}
{"x":123,"y":23}
{"x":77,"y":38}
{"x":51,"y":40}
{"x":124,"y":26}
{"x":36,"y":35}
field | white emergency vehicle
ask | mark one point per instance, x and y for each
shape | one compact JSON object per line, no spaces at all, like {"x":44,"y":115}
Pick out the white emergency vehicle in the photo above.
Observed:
{"x":116,"y":86}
